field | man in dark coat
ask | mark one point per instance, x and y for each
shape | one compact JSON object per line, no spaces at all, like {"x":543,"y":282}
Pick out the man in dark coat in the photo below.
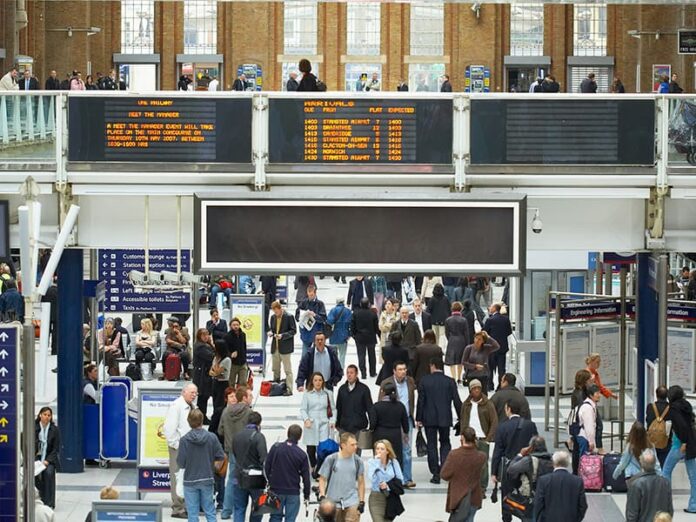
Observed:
{"x":28,"y":82}
{"x":353,"y":401}
{"x":240,"y":83}
{"x":322,"y":358}
{"x":281,"y":332}
{"x":52,"y":82}
{"x":391,"y":354}
{"x":359,"y":288}
{"x":437,"y":394}
{"x":314,"y":307}
{"x":648,"y":492}
{"x":420,"y":366}
{"x":216,"y":327}
{"x":588,"y":85}
{"x":292,"y":83}
{"x":674,"y":87}
{"x":506,"y":393}
{"x":421,"y":317}
{"x":11,"y":303}
{"x":511,"y":436}
{"x":446,"y":85}
{"x":499,"y":328}
{"x":364,"y":328}
{"x":410,"y":333}
{"x":560,"y":495}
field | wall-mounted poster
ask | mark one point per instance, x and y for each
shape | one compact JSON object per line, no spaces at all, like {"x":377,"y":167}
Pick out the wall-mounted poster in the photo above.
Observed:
{"x":658,"y":71}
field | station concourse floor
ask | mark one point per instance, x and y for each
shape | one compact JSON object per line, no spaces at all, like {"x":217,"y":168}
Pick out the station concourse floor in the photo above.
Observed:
{"x":425,"y":503}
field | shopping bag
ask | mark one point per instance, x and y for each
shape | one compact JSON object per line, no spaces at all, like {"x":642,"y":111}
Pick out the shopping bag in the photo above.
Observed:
{"x":421,"y":445}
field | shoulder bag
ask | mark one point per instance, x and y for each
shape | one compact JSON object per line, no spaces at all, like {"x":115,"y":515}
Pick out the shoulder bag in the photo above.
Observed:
{"x":251,"y":478}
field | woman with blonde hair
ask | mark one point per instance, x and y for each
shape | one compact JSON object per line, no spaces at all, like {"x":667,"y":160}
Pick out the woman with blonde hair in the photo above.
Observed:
{"x":145,"y":344}
{"x":593,"y":362}
{"x":382,"y":470}
{"x":662,"y":517}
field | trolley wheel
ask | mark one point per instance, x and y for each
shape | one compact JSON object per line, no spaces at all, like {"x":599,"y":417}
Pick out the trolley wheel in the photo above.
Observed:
{"x":104,"y":464}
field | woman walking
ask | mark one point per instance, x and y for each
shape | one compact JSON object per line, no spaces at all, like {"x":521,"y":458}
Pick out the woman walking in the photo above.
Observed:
{"x":389,"y":419}
{"x":220,"y":372}
{"x":457,"y":334}
{"x":476,"y":356}
{"x":683,"y":441}
{"x":203,"y":355}
{"x":384,"y":477}
{"x":318,"y":413}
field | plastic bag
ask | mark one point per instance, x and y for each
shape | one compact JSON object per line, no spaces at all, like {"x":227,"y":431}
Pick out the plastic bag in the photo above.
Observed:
{"x":421,"y":445}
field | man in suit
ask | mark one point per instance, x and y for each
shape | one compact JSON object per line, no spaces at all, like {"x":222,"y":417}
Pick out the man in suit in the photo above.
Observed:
{"x":437,"y":393}
{"x":405,"y":389}
{"x":410,"y":333}
{"x":421,"y":317}
{"x":499,"y":328}
{"x":240,"y":83}
{"x":281,"y":332}
{"x":215,"y":326}
{"x":560,"y":495}
{"x":52,"y":82}
{"x":323,"y":359}
{"x":420,"y":366}
{"x":510,"y":437}
{"x":28,"y":82}
{"x":648,"y":492}
{"x":359,"y":288}
{"x":315,"y":308}
{"x":506,"y":393}
{"x":392,"y":353}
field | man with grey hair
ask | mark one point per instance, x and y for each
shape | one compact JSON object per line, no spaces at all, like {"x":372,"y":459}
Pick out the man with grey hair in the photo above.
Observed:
{"x":530,"y":464}
{"x":648,"y":492}
{"x":176,"y":426}
{"x":560,"y":495}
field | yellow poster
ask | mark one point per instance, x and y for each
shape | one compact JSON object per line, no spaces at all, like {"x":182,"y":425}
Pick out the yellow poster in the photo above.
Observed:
{"x":251,"y":325}
{"x":250,"y":312}
{"x":155,"y":441}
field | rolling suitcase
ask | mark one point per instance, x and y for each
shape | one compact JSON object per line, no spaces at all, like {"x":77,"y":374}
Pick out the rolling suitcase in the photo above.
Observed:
{"x":611,"y":461}
{"x":590,"y":471}
{"x":172,"y":367}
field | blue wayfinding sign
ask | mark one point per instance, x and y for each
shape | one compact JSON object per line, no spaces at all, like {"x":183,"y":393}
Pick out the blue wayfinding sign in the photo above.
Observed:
{"x":9,"y":422}
{"x":121,"y":296}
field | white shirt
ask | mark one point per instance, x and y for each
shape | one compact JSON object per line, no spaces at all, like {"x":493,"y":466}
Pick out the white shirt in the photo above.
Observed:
{"x":419,"y":319}
{"x":176,"y":422}
{"x":213,"y":85}
{"x":475,"y":421}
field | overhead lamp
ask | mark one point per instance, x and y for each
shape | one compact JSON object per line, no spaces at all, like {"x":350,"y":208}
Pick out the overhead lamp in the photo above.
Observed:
{"x":91,"y":31}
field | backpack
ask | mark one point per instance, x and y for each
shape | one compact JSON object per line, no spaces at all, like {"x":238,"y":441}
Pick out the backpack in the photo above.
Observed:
{"x":657,"y":431}
{"x":133,"y":371}
{"x":334,"y":458}
{"x":574,"y":421}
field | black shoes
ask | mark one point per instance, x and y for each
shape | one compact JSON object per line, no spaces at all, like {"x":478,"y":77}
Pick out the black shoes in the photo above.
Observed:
{"x":435,"y":479}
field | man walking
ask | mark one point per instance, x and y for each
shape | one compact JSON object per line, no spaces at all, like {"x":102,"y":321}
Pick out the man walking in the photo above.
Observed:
{"x":282,"y":330}
{"x":364,"y":328}
{"x":560,"y":496}
{"x":588,"y":85}
{"x":176,"y":426}
{"x":479,"y":414}
{"x":285,"y":465}
{"x":499,"y":328}
{"x":463,"y":470}
{"x":421,"y":317}
{"x":322,"y":359}
{"x":511,"y":436}
{"x":342,"y":479}
{"x":199,"y":453}
{"x":340,"y":319}
{"x":357,"y":289}
{"x":352,"y":404}
{"x":437,"y":393}
{"x":250,"y":451}
{"x":410,"y":333}
{"x":311,"y":314}
{"x":508,"y":392}
{"x":648,"y":492}
{"x":405,"y":389}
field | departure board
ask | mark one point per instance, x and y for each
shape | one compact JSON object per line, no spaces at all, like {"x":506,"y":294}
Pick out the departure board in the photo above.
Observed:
{"x":176,"y":129}
{"x":387,"y":131}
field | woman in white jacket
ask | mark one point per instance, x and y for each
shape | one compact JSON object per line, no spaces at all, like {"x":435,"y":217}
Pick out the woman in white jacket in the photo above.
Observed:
{"x":318,"y":412}
{"x":587,"y":416}
{"x":428,"y":287}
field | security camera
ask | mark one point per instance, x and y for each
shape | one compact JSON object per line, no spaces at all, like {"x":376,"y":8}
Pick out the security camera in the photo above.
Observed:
{"x":188,"y":277}
{"x":476,"y":8}
{"x":170,"y":277}
{"x":137,"y":277}
{"x":537,"y":225}
{"x":154,"y":277}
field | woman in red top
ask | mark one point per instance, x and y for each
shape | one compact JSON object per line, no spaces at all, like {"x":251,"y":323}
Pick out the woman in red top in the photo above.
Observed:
{"x":593,"y":362}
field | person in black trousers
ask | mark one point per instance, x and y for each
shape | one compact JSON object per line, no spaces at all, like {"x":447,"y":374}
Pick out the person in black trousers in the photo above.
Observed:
{"x":499,"y":328}
{"x":203,"y":354}
{"x":437,"y":394}
{"x":389,"y":420}
{"x":392,"y":353}
{"x":47,"y":449}
{"x":357,"y":290}
{"x":353,"y":402}
{"x":364,"y":328}
{"x":660,"y":405}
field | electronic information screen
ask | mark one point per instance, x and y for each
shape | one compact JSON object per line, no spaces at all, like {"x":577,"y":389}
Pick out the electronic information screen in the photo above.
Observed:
{"x":138,"y":129}
{"x":389,"y":131}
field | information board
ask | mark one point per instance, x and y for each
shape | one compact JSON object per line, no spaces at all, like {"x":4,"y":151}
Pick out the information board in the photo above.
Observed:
{"x":583,"y":131}
{"x":124,"y":510}
{"x":606,"y":341}
{"x":249,"y":309}
{"x":147,"y":129}
{"x":686,"y":41}
{"x":9,"y":423}
{"x":152,"y":444}
{"x":360,"y":130}
{"x":680,"y":357}
{"x":121,"y":296}
{"x":575,"y":348}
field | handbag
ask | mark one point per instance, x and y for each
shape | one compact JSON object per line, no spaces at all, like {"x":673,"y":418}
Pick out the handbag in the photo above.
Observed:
{"x":329,"y":411}
{"x":268,"y":503}
{"x":328,"y":328}
{"x":365,"y":440}
{"x":421,"y":445}
{"x":222,"y":470}
{"x":179,"y":483}
{"x":518,"y":505}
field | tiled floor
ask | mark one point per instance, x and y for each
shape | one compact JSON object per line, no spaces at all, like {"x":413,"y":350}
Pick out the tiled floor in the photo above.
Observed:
{"x":423,"y":504}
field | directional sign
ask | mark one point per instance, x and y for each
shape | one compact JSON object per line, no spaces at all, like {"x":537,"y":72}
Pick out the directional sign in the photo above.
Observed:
{"x":9,"y":423}
{"x":121,"y":295}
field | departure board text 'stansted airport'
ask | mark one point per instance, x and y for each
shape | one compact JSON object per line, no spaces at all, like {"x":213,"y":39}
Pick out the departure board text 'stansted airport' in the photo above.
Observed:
{"x":337,"y":130}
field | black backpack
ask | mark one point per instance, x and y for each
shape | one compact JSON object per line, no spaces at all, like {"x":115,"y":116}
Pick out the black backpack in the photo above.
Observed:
{"x":133,"y":371}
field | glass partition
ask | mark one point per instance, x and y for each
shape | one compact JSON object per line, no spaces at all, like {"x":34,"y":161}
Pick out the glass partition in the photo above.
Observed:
{"x":27,"y":127}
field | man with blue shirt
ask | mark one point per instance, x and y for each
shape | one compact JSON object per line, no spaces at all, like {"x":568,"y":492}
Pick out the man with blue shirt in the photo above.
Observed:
{"x":322,"y":359}
{"x":311,"y":316}
{"x":405,"y":389}
{"x":339,"y":318}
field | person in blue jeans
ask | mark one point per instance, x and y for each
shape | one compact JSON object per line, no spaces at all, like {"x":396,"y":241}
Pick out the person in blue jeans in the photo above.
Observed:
{"x":285,"y":465}
{"x":683,"y":441}
{"x":199,"y":452}
{"x":249,"y":448}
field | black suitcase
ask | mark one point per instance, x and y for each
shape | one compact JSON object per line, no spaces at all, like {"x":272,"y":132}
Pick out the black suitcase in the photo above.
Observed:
{"x":611,"y":461}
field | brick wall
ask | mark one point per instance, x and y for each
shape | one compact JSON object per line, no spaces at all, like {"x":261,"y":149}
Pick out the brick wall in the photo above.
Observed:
{"x":252,"y":32}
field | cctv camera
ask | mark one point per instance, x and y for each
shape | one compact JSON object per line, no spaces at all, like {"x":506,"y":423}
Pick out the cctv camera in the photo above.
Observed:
{"x":476,"y":6}
{"x":537,"y":225}
{"x":169,"y":277}
{"x":154,"y":278}
{"x":188,"y":277}
{"x":137,"y":277}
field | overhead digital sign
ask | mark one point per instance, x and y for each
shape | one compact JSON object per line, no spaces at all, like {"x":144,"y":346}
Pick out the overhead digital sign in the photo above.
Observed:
{"x":176,"y":129}
{"x":360,"y":130}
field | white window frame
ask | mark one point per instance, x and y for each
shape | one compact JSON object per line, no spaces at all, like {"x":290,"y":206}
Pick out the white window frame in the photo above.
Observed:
{"x":427,"y":29}
{"x":526,"y":29}
{"x":200,"y":19}
{"x":363,"y":28}
{"x":137,"y":26}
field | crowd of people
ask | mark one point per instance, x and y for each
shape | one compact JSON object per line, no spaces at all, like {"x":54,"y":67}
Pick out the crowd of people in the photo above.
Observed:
{"x":73,"y":81}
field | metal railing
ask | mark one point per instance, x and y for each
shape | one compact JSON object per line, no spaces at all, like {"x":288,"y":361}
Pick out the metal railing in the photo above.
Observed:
{"x":27,"y":118}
